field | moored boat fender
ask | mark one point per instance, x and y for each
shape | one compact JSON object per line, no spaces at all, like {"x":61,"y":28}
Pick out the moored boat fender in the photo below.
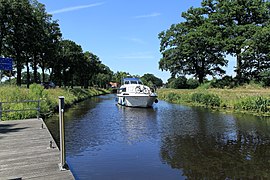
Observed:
{"x":156,"y":100}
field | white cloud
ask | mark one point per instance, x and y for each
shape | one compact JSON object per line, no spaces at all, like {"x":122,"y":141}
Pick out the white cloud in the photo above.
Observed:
{"x":147,"y":15}
{"x":74,"y":8}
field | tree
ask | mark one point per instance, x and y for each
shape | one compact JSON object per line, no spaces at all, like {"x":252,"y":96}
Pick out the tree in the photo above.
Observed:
{"x":256,"y":59}
{"x":71,"y":56}
{"x":191,"y":47}
{"x":238,"y":20}
{"x":27,"y":34}
{"x":104,"y":76}
{"x":151,"y":80}
{"x":119,"y":75}
{"x":178,"y":83}
{"x":19,"y":27}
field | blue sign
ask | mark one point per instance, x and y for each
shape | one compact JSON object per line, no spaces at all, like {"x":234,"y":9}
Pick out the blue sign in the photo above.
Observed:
{"x":5,"y":64}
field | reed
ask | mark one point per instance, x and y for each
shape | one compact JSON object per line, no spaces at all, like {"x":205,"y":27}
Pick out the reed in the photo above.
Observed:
{"x":255,"y":100}
{"x":48,"y":99}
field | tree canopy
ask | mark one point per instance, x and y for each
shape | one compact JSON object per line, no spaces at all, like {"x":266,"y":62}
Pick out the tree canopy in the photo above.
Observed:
{"x":199,"y":45}
{"x":30,"y":36}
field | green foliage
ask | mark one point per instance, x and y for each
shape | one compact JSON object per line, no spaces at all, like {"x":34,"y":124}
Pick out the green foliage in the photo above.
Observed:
{"x":198,"y":45}
{"x":204,"y":86}
{"x":178,"y":83}
{"x":264,"y":78}
{"x":225,"y":82}
{"x":119,"y":75}
{"x":191,"y":47}
{"x":48,"y":99}
{"x":257,"y":104}
{"x":192,"y":83}
{"x":211,"y":100}
{"x":248,"y":98}
{"x":171,"y":97}
{"x":30,"y":36}
{"x":151,"y":80}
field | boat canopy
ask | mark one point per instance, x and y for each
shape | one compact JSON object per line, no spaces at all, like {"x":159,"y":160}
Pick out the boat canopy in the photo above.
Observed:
{"x":132,"y":81}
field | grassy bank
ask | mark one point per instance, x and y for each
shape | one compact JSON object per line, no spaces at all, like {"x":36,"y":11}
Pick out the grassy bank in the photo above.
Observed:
{"x":48,"y":97}
{"x":254,"y":100}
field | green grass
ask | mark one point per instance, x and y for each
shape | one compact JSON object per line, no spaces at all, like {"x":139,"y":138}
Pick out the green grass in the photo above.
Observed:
{"x":48,"y":97}
{"x":248,"y":99}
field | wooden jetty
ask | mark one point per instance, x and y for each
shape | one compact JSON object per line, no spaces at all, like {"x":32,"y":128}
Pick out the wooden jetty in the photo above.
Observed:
{"x":26,"y":152}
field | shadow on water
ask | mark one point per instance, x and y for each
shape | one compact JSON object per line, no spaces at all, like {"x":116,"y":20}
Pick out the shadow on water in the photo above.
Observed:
{"x":220,"y":146}
{"x":107,"y":141}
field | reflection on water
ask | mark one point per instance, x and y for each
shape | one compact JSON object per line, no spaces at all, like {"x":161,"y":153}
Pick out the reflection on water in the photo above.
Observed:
{"x":107,"y":141}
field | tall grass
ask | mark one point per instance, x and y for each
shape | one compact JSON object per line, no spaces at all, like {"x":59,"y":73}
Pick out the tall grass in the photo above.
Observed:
{"x":245,"y":99}
{"x":48,"y":99}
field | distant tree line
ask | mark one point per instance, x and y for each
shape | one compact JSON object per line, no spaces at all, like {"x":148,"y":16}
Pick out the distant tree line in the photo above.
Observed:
{"x":34,"y":41}
{"x":30,"y":36}
{"x":200,"y":45}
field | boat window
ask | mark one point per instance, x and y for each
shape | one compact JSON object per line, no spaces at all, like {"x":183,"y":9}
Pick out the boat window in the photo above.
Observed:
{"x":139,"y":82}
{"x":126,"y":82}
{"x":123,"y":89}
{"x":134,"y":82}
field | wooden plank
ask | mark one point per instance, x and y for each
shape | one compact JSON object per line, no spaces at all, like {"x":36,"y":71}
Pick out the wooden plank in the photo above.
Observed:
{"x":25,"y":151}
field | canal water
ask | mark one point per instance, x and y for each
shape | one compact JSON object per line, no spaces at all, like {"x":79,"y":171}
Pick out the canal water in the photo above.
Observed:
{"x":168,"y":141}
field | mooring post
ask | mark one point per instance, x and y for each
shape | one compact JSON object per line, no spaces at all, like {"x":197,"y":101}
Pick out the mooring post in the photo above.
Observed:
{"x":63,"y":165}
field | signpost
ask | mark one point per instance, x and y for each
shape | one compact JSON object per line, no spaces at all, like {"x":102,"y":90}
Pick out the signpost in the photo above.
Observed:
{"x":5,"y":64}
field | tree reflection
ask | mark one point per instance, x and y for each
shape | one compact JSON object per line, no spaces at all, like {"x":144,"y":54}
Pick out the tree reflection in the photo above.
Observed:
{"x":217,"y":157}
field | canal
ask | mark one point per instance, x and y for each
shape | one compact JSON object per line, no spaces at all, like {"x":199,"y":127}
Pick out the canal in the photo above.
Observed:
{"x":168,"y":141}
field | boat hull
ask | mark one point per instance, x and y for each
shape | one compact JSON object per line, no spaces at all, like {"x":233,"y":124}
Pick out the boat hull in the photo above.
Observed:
{"x":137,"y":101}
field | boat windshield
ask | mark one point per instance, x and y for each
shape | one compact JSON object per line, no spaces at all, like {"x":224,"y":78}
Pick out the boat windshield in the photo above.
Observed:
{"x":132,"y":81}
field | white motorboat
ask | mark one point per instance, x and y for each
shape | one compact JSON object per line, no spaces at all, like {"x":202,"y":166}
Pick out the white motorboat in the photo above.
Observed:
{"x":133,"y":93}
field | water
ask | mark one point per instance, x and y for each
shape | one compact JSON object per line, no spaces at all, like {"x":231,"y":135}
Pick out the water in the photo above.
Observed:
{"x":107,"y":141}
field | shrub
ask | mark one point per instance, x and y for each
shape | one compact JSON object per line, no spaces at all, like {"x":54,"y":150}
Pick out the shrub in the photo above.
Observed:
{"x":178,"y":83}
{"x":206,"y":99}
{"x":192,"y":83}
{"x":264,"y":78}
{"x":258,"y":104}
{"x":226,"y":81}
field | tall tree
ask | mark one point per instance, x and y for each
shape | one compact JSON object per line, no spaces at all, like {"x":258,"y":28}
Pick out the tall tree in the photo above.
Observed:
{"x":151,"y":80}
{"x":191,"y":47}
{"x":239,"y":20}
{"x":103,"y":77}
{"x":70,"y":57}
{"x":18,"y":41}
{"x":119,"y":75}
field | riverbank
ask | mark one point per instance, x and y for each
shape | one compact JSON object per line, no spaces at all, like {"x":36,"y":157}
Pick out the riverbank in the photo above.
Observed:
{"x":253,"y":100}
{"x":48,"y":99}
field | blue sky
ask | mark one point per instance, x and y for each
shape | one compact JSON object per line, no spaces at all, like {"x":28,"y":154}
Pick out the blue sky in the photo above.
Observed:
{"x":122,"y":33}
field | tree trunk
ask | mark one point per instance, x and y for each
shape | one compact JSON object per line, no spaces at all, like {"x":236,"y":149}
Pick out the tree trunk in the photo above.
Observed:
{"x":19,"y":71}
{"x":238,"y":67}
{"x":43,"y":73}
{"x":35,"y":70}
{"x":201,"y":76}
{"x":28,"y":75}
